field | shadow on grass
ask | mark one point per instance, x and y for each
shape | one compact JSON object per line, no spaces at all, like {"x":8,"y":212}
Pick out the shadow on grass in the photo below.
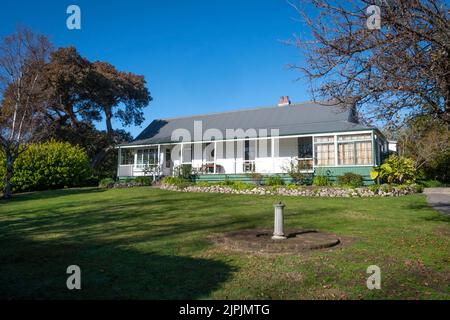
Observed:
{"x":49,"y":194}
{"x":37,"y":270}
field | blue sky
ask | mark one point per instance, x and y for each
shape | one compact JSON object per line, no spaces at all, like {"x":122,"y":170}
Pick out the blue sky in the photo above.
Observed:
{"x":198,"y":56}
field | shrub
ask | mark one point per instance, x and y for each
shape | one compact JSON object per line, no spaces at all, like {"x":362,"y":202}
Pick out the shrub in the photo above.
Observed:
{"x":49,"y":165}
{"x":203,"y":184}
{"x":374,"y":188}
{"x":257,"y":178}
{"x":185,"y":172}
{"x":387,"y":188}
{"x":176,"y":181}
{"x":418,"y":188}
{"x":239,"y":185}
{"x":296,"y":170}
{"x":395,"y":170}
{"x":143,"y":181}
{"x":431,"y":183}
{"x":320,"y":180}
{"x":350,"y":179}
{"x":273,"y":181}
{"x":106,"y":183}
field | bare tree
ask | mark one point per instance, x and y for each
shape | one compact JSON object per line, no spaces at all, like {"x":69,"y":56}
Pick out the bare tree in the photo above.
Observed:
{"x":401,"y":69}
{"x":22,"y":59}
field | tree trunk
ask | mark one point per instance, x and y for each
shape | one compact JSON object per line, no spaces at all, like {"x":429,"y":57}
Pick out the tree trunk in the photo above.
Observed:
{"x":108,"y":117}
{"x":99,"y":158}
{"x":9,"y":172}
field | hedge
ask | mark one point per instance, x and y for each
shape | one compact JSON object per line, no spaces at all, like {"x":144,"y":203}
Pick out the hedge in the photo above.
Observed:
{"x":49,"y":165}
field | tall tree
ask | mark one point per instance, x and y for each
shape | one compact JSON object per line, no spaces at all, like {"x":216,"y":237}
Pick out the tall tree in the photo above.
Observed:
{"x":67,"y":88}
{"x":81,"y":92}
{"x":401,"y":69}
{"x":22,"y":59}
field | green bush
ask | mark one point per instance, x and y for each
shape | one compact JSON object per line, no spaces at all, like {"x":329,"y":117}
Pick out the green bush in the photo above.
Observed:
{"x":395,"y":170}
{"x":144,"y":181}
{"x":239,"y":185}
{"x":418,"y":188}
{"x":297,"y":170}
{"x":49,"y":165}
{"x":203,"y":184}
{"x":273,"y":181}
{"x":320,"y":180}
{"x":184,"y":171}
{"x":226,"y":182}
{"x":106,"y":183}
{"x":350,"y":179}
{"x":257,"y":178}
{"x":431,"y":183}
{"x":176,"y":181}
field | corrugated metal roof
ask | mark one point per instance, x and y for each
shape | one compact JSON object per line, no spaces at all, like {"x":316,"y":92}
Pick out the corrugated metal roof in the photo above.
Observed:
{"x":294,"y":119}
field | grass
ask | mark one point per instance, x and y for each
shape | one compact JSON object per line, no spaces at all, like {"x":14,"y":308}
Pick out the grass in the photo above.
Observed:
{"x":146,"y":243}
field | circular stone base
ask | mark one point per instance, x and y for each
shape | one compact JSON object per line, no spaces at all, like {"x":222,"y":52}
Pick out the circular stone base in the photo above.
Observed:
{"x":260,"y":240}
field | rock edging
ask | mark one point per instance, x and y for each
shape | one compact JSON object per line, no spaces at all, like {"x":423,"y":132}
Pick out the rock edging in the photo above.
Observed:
{"x":332,"y":192}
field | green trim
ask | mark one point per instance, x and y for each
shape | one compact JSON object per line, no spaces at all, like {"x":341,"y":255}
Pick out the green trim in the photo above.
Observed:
{"x":331,"y":172}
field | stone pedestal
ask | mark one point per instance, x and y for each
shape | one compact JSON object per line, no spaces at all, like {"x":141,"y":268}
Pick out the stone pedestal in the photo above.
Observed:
{"x":278,"y":230}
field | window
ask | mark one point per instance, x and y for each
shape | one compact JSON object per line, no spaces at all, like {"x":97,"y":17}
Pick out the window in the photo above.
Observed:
{"x":147,"y":157}
{"x":247,"y":150}
{"x":305,"y":148}
{"x":324,"y":154}
{"x":324,"y":151}
{"x":355,"y":149}
{"x":168,"y":158}
{"x":127,"y":157}
{"x":355,"y":137}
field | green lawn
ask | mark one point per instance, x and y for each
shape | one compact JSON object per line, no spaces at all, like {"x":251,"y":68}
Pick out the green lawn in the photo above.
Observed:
{"x":146,"y":243}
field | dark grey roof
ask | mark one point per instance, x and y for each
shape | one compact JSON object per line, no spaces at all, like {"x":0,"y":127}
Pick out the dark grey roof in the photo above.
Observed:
{"x":303,"y":118}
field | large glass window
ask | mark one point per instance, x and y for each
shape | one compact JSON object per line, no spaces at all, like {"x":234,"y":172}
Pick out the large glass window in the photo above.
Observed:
{"x":127,"y":157}
{"x":324,"y":151}
{"x":355,"y":149}
{"x":147,"y":157}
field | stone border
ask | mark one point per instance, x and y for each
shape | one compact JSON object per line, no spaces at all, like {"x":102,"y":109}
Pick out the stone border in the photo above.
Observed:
{"x":332,"y":192}
{"x":260,"y":241}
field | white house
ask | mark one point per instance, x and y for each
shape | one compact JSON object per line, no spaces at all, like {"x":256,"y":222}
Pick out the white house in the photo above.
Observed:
{"x":325,"y":138}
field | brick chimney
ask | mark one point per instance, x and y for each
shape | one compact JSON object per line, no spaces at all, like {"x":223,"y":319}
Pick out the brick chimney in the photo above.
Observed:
{"x":284,"y":101}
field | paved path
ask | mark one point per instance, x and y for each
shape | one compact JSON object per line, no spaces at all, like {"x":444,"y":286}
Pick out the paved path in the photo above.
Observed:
{"x":439,"y":199}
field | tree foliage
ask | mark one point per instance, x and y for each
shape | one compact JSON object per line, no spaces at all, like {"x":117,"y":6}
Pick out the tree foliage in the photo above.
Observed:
{"x":81,"y":92}
{"x":402,"y":68}
{"x":48,"y":165}
{"x":426,"y":140}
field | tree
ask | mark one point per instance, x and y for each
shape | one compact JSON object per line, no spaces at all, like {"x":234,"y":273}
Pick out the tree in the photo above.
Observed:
{"x":402,"y":68}
{"x":81,"y":92}
{"x":426,"y":140}
{"x":22,"y":59}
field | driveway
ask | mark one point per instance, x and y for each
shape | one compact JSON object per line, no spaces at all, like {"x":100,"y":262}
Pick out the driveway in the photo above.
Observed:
{"x":439,"y":199}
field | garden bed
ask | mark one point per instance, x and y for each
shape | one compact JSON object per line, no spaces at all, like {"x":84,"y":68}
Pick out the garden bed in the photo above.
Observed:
{"x":299,"y":191}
